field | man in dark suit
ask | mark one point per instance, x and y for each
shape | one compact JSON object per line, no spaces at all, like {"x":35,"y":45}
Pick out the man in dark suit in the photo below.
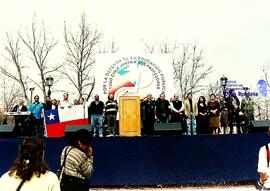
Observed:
{"x":148,"y":115}
{"x":162,"y":109}
{"x":20,"y":127}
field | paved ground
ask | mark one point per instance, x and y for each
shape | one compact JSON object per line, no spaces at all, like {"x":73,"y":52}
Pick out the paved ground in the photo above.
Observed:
{"x":214,"y":188}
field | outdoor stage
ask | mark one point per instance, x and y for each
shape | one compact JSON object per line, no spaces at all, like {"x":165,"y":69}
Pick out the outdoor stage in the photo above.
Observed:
{"x":161,"y":160}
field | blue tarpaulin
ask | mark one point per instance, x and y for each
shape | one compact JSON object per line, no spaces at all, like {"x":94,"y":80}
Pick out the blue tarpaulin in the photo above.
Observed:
{"x":160,"y":160}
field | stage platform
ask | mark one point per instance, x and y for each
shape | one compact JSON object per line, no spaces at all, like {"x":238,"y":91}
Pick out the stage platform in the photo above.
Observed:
{"x":160,"y":160}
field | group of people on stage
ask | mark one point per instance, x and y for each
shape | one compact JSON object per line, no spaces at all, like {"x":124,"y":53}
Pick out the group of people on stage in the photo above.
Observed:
{"x":33,"y":125}
{"x":101,"y":116}
{"x":217,"y":116}
{"x":29,"y":125}
{"x":223,"y":116}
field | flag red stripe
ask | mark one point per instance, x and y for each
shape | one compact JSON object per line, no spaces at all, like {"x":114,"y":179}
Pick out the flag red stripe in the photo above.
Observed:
{"x":58,"y":129}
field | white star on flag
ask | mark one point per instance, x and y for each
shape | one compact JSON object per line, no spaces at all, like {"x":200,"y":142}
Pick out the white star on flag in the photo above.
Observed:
{"x":51,"y":116}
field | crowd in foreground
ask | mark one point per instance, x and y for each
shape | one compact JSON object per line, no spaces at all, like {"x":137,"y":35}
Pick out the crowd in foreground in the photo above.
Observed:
{"x":30,"y":172}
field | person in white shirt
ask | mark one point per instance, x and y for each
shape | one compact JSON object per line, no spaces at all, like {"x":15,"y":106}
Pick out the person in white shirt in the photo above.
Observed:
{"x":264,"y":167}
{"x":65,"y":103}
{"x":177,"y":109}
{"x":30,"y":172}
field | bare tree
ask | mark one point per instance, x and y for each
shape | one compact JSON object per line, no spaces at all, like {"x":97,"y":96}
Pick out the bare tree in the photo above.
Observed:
{"x":40,"y":46}
{"x":10,"y":94}
{"x":108,"y":48}
{"x":265,"y":70}
{"x":163,"y":47}
{"x":189,"y":67}
{"x":13,"y":49}
{"x":190,"y":70}
{"x":80,"y":51}
{"x":214,"y":88}
{"x":262,"y":103}
{"x":261,"y":107}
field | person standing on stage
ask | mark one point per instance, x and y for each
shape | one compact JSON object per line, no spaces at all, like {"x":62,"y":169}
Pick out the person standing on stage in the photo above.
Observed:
{"x":111,"y":108}
{"x":162,"y":109}
{"x":202,"y":117}
{"x":177,"y":111}
{"x":191,"y":111}
{"x":20,"y":127}
{"x":95,"y":115}
{"x":81,"y":101}
{"x":213,"y":107}
{"x":176,"y":106}
{"x":54,"y":104}
{"x":148,"y":115}
{"x":233,"y":111}
{"x":37,"y":110}
{"x":47,"y":103}
{"x":223,"y":110}
{"x":247,"y":108}
{"x":65,"y":103}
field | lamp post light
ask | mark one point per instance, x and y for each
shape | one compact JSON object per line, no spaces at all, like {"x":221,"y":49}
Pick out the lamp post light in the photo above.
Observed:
{"x":223,"y":82}
{"x":49,"y":83}
{"x":31,"y":90}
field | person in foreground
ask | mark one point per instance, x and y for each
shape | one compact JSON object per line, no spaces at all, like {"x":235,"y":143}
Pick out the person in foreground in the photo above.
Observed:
{"x":77,"y":162}
{"x":263,"y":167}
{"x":30,"y":172}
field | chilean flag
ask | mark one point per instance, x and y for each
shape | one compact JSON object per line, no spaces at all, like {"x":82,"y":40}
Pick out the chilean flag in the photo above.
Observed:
{"x":56,"y":120}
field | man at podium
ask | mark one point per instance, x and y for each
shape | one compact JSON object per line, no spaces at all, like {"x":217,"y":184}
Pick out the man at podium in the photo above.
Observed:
{"x":20,"y":127}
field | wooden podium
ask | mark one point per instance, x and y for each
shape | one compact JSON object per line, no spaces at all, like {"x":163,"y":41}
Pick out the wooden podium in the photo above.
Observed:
{"x":129,"y":116}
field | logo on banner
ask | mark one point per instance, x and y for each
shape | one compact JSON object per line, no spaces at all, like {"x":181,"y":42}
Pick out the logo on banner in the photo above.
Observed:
{"x":133,"y":75}
{"x":262,"y":87}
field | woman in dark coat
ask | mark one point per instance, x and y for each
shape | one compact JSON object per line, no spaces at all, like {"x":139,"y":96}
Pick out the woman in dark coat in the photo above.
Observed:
{"x":202,"y":118}
{"x":213,"y":107}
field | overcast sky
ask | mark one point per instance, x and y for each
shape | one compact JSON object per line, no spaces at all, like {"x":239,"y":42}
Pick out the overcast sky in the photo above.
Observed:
{"x":233,"y":33}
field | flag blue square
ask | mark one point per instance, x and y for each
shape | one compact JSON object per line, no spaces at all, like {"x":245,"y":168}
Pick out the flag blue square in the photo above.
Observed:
{"x":52,"y":116}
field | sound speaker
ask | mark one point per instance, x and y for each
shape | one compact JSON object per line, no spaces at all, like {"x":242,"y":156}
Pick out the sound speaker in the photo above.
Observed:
{"x":168,"y":128}
{"x":260,"y":125}
{"x":70,"y":129}
{"x":6,"y":130}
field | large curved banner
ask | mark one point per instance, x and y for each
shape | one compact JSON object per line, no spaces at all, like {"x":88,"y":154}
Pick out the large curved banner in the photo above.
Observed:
{"x":133,"y":75}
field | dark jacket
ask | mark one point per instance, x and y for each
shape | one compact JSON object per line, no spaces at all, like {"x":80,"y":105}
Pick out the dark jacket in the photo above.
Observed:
{"x":162,"y":108}
{"x":15,"y":109}
{"x":96,"y":108}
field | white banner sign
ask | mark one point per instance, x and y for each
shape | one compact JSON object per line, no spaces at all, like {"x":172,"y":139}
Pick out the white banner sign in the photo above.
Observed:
{"x":135,"y":74}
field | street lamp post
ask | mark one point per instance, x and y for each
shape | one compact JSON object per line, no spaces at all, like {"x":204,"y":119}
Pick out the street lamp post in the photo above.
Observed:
{"x":223,"y":82}
{"x":31,"y":90}
{"x":49,"y":83}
